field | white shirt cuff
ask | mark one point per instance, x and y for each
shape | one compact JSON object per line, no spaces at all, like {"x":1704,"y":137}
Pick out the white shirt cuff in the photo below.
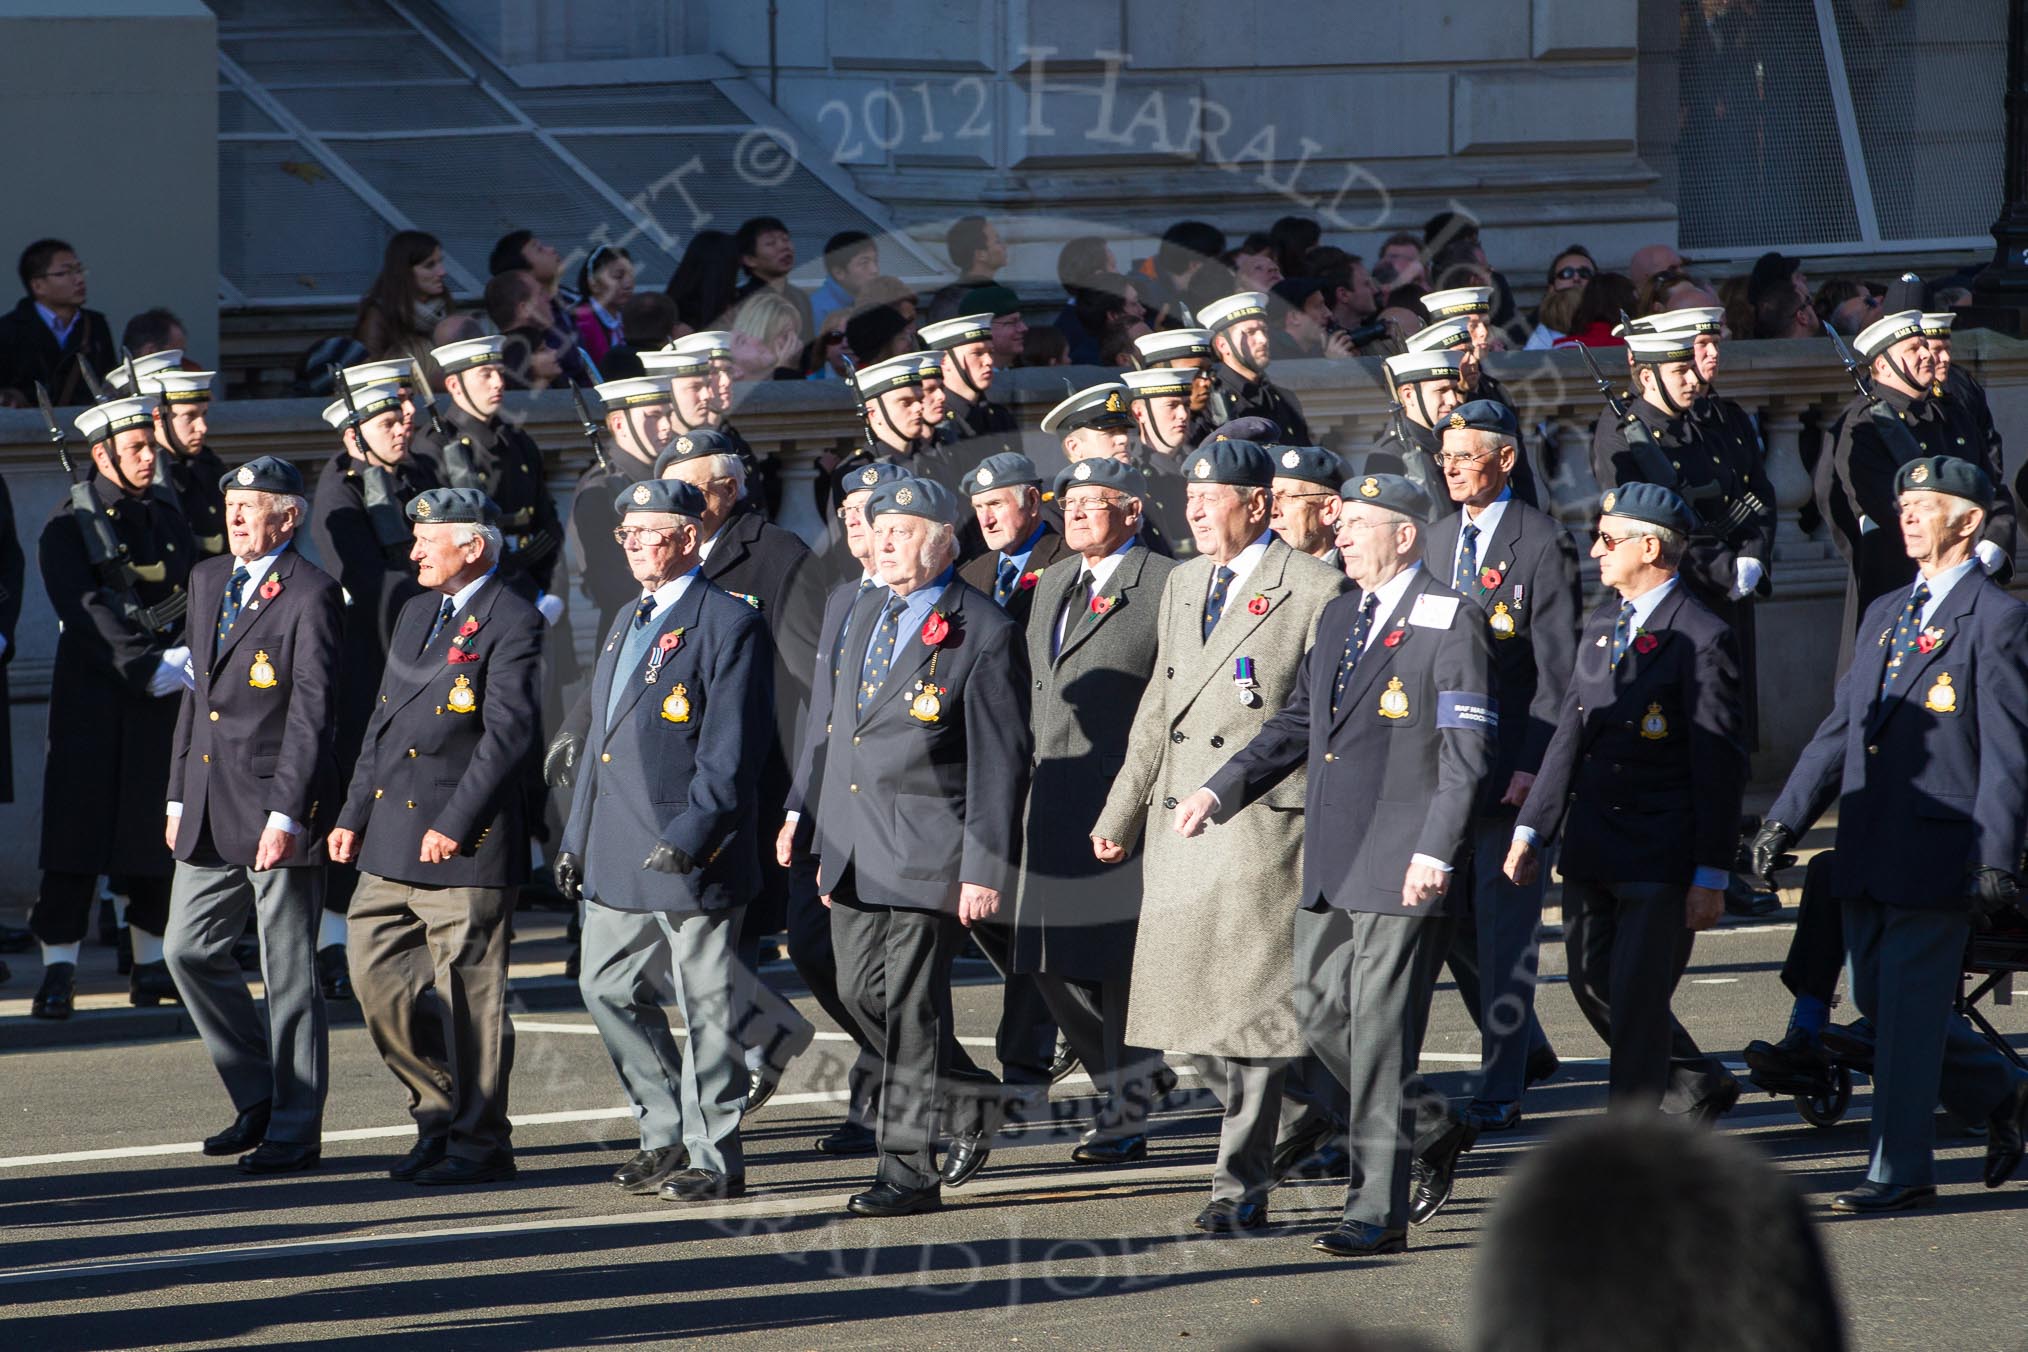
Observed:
{"x":792,"y":817}
{"x":282,"y":821}
{"x":1217,"y":804}
{"x":1991,"y":556}
{"x":173,"y":810}
{"x":1526,"y":835}
{"x":1429,"y":861}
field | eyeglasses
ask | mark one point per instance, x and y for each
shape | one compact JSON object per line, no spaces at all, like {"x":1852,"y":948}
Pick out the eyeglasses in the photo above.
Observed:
{"x":1445,"y":459}
{"x":649,"y":536}
{"x":77,"y":270}
{"x":1301,"y":497}
{"x":1571,"y":274}
{"x":850,"y":514}
{"x":1092,"y":506}
{"x":1613,"y":542}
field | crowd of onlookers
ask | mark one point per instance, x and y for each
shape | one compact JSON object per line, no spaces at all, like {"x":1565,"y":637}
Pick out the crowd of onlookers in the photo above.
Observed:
{"x":588,"y":322}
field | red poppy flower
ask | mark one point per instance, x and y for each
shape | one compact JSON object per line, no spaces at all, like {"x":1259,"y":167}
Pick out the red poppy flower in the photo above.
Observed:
{"x":1645,"y":643}
{"x":469,"y":627}
{"x":1101,"y":604}
{"x":671,"y":641}
{"x":461,"y":655}
{"x":1257,"y":606}
{"x":935,"y":629}
{"x":271,"y":589}
{"x":1928,"y":640}
{"x":1490,"y":578}
{"x":1394,"y":637}
{"x":1028,"y":581}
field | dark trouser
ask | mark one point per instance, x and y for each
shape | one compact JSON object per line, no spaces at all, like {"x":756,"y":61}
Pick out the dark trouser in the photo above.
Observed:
{"x":765,"y":1023}
{"x":1906,"y":963}
{"x":1250,"y":1089}
{"x":340,"y":882}
{"x":63,"y":911}
{"x":1627,"y":946}
{"x":286,"y":1064}
{"x":1093,"y":1017}
{"x":1025,"y":1040}
{"x":1374,"y":975}
{"x":894,"y":971}
{"x":1817,"y":951}
{"x":817,"y":964}
{"x":429,"y":966}
{"x":1494,"y":936}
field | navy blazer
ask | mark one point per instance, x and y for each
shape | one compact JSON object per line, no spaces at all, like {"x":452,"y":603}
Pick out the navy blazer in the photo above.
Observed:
{"x":680,"y":762}
{"x":256,"y":734}
{"x":1644,"y":775}
{"x":1396,"y":770}
{"x":1531,"y":612}
{"x":447,"y":742}
{"x":808,"y":777}
{"x":1934,"y":774}
{"x":916,"y":806}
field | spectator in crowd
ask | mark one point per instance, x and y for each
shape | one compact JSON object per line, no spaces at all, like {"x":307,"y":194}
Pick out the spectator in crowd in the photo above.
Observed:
{"x":1951,"y":298}
{"x":1604,"y":299}
{"x":647,"y":324}
{"x":1302,"y":323}
{"x":1041,"y":346}
{"x":1569,"y":273}
{"x":829,"y":352}
{"x":1349,"y":292}
{"x":706,"y":284}
{"x":978,"y":254}
{"x":1256,"y":265}
{"x":157,"y":330}
{"x":1089,"y":309}
{"x":1738,"y":313}
{"x":1670,"y":289}
{"x":519,"y":307}
{"x":525,"y":251}
{"x":877,"y":331}
{"x":1846,"y":304}
{"x":1776,"y":274}
{"x":406,"y":301}
{"x":1401,"y":257}
{"x":1781,"y":311}
{"x":606,"y":281}
{"x":1167,"y":279}
{"x":46,"y":335}
{"x":1452,"y":238}
{"x":1650,"y":259}
{"x":1010,"y":329}
{"x":1293,"y":237}
{"x":768,"y":253}
{"x":776,"y":330}
{"x":851,"y":260}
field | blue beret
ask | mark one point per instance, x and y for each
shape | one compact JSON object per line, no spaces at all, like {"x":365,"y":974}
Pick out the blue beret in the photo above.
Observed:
{"x":1652,"y":503}
{"x":1252,"y":427}
{"x":1003,"y":470}
{"x":857,"y":477}
{"x":914,"y":497}
{"x":695,"y":444}
{"x":264,"y":474}
{"x":1101,"y":471}
{"x":1243,"y":464}
{"x":1484,"y":415}
{"x":453,"y":507}
{"x":1311,"y":464}
{"x":1372,"y":462}
{"x":1946,"y":474}
{"x":1390,"y":491}
{"x":660,"y":495}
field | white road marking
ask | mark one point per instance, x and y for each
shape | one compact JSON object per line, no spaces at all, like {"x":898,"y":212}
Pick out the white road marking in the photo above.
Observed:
{"x":591,"y":1030}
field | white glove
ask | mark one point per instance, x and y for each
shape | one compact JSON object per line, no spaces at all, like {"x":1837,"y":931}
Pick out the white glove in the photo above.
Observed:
{"x":174,"y":674}
{"x":551,"y":606}
{"x":1991,"y":557}
{"x":1746,"y":575}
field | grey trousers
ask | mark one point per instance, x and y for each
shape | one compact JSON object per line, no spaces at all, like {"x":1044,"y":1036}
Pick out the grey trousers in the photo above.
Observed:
{"x":429,"y":966}
{"x":635,"y":963}
{"x":287,"y":1063}
{"x":1493,"y":957}
{"x":1250,"y":1088}
{"x":1374,"y":975}
{"x":1905,"y":967}
{"x":1093,"y":1017}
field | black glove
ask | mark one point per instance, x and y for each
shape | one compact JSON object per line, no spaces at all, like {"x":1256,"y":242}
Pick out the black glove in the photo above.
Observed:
{"x":559,"y":763}
{"x":569,"y":872}
{"x":1770,"y":843}
{"x":1993,"y":891}
{"x":669,"y":859}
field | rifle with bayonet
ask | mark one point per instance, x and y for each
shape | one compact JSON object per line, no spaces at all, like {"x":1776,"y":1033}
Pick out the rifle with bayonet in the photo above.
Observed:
{"x":590,"y":427}
{"x":384,"y":511}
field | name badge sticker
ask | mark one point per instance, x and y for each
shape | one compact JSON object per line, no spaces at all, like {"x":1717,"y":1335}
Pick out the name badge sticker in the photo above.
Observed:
{"x":1434,"y":612}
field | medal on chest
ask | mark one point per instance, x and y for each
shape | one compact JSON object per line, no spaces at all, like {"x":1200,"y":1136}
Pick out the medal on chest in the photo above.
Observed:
{"x":664,"y":646}
{"x":926,"y":705}
{"x":676,"y":705}
{"x":1654,"y":727}
{"x":1500,"y":621}
{"x":1244,"y":682}
{"x":1394,"y":699}
{"x":261,"y":676}
{"x":462,"y":699}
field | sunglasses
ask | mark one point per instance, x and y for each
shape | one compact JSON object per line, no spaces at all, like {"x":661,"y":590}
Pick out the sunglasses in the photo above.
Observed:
{"x":1571,"y":274}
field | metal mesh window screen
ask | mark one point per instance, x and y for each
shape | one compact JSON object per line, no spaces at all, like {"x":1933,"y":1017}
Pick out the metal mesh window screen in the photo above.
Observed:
{"x":353,"y":57}
{"x":409,"y":107}
{"x":289,"y":230}
{"x":670,"y":106}
{"x":236,"y":112}
{"x":262,"y":15}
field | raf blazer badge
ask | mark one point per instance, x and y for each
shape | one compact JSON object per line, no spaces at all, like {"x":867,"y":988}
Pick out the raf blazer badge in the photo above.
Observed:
{"x":676,"y":705}
{"x":1394,"y":700}
{"x":1942,"y":697}
{"x":462,"y":699}
{"x":261,"y":676}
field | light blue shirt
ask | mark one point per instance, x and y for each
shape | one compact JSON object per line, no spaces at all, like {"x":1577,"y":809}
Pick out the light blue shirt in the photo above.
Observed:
{"x":55,"y":326}
{"x":915,"y":609}
{"x":1020,"y":560}
{"x":1486,"y":522}
{"x":667,"y":595}
{"x":1940,"y":586}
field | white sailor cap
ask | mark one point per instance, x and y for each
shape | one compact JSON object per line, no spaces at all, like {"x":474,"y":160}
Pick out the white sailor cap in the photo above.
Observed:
{"x":370,"y":400}
{"x":168,"y":359}
{"x":1671,"y":345}
{"x":463,"y":355}
{"x":1457,"y":302}
{"x":715,"y":344}
{"x":181,"y":387}
{"x":102,"y":421}
{"x":1094,"y":406}
{"x":1937,"y":324}
{"x":1437,"y":363}
{"x":1159,"y":382}
{"x":633,"y":392}
{"x":877,"y":379}
{"x":1167,"y":345}
{"x":1888,"y":330}
{"x":1229,"y":310}
{"x":946,"y":334}
{"x":1690,"y":319}
{"x":1445,"y":333}
{"x":931,"y":364}
{"x":399,"y":370}
{"x":669,"y":363}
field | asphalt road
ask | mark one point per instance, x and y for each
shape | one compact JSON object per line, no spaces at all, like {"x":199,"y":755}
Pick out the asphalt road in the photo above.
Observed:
{"x":116,"y":1233}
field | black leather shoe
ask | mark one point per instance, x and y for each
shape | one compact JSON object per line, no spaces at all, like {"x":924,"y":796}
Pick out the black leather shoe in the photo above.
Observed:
{"x":151,"y":985}
{"x":15,"y":939}
{"x":248,"y":1130}
{"x":761,"y":1086}
{"x":891,"y":1199}
{"x":427,"y":1151}
{"x":966,"y":1156}
{"x":1870,"y":1197}
{"x":1328,"y":1160}
{"x":1795,"y":1065}
{"x":1487,"y":1117}
{"x":1715,"y":1104}
{"x":2005,"y":1130}
{"x":851,"y":1138}
{"x":1743,"y":898}
{"x":58,"y":995}
{"x":1122,"y":1150}
{"x":455,"y":1169}
{"x":1356,"y":1240}
{"x":701,"y":1185}
{"x":1064,"y":1062}
{"x":1851,"y":1044}
{"x":1161,"y":1084}
{"x":648,"y":1170}
{"x":280,"y":1157}
{"x":1542,"y":1063}
{"x":1224,"y":1216}
{"x":334,"y":979}
{"x":1297,"y":1147}
{"x":1435,"y":1170}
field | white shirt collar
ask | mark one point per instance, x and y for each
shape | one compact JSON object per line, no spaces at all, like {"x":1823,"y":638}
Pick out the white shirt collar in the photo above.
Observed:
{"x":1645,"y":603}
{"x":1103,"y":570}
{"x":670,"y":592}
{"x":256,"y":569}
{"x":463,"y":596}
{"x":1486,"y":522}
{"x":1940,"y":585}
{"x":1248,"y":559}
{"x":1390,"y":594}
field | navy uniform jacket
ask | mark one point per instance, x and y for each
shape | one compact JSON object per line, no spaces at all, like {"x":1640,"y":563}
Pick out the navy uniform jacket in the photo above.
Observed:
{"x":912,"y":806}
{"x":1932,"y":778}
{"x":991,"y":425}
{"x":607,"y":582}
{"x":680,"y":762}
{"x":1645,"y":772}
{"x":13,"y":575}
{"x":1397,"y":770}
{"x":445,"y":748}
{"x":983,"y":572}
{"x":808,"y":777}
{"x":1531,"y":616}
{"x":256,"y":735}
{"x":503,"y":462}
{"x":1234,"y":396}
{"x":1716,"y":464}
{"x":109,"y":739}
{"x":194,"y":480}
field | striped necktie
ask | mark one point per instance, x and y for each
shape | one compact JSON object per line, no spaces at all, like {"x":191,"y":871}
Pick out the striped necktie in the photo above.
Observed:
{"x":230,"y":603}
{"x":1623,"y":633}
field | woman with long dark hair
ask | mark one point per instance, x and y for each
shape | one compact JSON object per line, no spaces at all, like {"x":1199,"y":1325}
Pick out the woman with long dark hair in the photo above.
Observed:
{"x":407,"y":300}
{"x":606,"y":281}
{"x":706,"y":285}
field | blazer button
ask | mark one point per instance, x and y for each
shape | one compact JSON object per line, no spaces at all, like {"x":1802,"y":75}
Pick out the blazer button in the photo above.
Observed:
{"x":1169,"y":803}
{"x":1218,"y":741}
{"x":1171,"y":673}
{"x":411,"y":753}
{"x":207,"y":758}
{"x":605,"y":757}
{"x":411,"y":805}
{"x":855,"y":741}
{"x":855,"y":788}
{"x":1038,"y":685}
{"x":1176,"y":737}
{"x":214,"y":715}
{"x":1330,"y":757}
{"x":1873,"y":750}
{"x":378,"y":792}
